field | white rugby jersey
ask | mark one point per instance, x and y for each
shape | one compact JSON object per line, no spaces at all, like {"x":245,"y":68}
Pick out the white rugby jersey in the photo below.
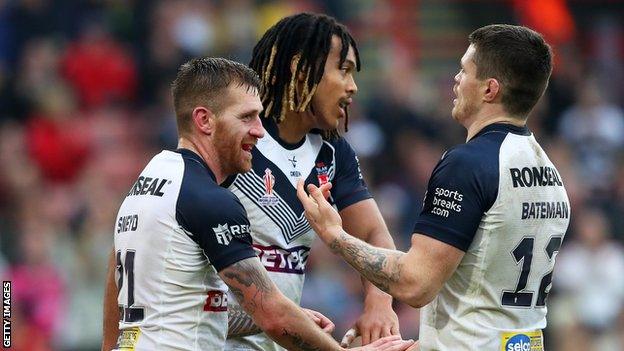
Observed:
{"x":499,"y":199}
{"x":281,"y":234}
{"x":175,"y":230}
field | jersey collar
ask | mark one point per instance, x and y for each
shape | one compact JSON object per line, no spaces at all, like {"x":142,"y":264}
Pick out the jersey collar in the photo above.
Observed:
{"x":195,"y":157}
{"x":504,"y":127}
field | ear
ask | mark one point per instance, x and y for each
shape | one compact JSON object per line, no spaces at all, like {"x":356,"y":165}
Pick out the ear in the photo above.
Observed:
{"x":492,"y":90}
{"x":204,"y":119}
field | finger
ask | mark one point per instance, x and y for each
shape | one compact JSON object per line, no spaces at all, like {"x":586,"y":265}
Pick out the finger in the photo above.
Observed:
{"x":303,"y":196}
{"x":349,"y":336}
{"x":329,"y":327}
{"x":400,"y":345}
{"x":366,"y":337}
{"x":325,"y":189}
{"x":376,"y":334}
{"x":394,"y":330}
{"x":386,"y":331}
{"x":385,"y":340}
{"x":415,"y":346}
{"x":316,"y":194}
{"x":394,"y":345}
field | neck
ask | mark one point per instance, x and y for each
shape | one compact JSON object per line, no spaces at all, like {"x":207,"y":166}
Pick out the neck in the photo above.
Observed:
{"x":208,"y":154}
{"x":295,"y":126}
{"x":478,"y":123}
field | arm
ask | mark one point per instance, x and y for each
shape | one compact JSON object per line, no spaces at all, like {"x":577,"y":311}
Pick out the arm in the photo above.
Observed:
{"x":414,"y":277}
{"x":241,"y":324}
{"x":364,"y":220}
{"x":279,"y":317}
{"x":111,"y":311}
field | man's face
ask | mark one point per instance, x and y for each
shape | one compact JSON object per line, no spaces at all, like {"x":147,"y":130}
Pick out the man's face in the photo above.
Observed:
{"x":335,"y":89}
{"x":466,"y":88}
{"x":237,"y":129}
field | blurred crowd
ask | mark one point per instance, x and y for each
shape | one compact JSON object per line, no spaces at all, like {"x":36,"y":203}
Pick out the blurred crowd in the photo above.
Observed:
{"x":85,"y":103}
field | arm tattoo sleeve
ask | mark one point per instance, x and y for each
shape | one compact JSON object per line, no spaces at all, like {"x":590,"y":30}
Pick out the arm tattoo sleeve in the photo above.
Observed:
{"x":240,"y":323}
{"x":380,"y":266}
{"x":248,"y":275}
{"x":299,"y":342}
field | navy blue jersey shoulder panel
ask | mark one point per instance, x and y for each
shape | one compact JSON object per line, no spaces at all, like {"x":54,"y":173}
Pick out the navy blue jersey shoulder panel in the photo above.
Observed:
{"x":348,"y":186}
{"x":213,"y":216}
{"x":463,"y":186}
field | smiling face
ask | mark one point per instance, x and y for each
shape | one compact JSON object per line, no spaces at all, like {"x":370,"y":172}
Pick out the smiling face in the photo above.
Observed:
{"x":336,"y":88}
{"x":467,"y":101}
{"x":237,"y":129}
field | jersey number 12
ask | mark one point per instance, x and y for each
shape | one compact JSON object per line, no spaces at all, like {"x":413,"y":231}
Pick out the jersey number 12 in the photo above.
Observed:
{"x":524,"y":253}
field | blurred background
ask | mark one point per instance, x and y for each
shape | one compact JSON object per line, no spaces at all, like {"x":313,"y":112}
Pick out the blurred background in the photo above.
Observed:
{"x":84,"y":104}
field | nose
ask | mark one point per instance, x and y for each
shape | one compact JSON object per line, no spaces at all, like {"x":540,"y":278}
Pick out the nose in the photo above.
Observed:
{"x":257,"y":130}
{"x":457,"y":77}
{"x":352,"y":88}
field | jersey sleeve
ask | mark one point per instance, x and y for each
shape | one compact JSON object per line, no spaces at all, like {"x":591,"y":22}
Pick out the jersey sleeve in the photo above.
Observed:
{"x":348,"y":186}
{"x":463,"y":186}
{"x":218,"y":223}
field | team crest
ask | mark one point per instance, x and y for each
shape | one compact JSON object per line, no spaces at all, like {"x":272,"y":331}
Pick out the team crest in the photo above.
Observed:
{"x":321,"y":173}
{"x":269,"y":198}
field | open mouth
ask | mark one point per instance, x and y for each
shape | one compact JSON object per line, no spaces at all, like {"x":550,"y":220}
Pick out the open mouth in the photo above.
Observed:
{"x":248,"y":147}
{"x":344,"y":104}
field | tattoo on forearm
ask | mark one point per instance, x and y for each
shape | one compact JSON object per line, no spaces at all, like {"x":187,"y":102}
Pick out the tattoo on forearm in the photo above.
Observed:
{"x":298,"y":341}
{"x":240,"y":323}
{"x":379,"y":266}
{"x":250,"y":275}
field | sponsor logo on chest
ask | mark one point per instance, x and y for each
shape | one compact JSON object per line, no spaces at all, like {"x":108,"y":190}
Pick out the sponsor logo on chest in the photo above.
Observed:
{"x":285,"y":260}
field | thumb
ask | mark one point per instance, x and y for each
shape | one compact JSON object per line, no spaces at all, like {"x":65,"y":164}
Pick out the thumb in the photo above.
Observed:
{"x":349,"y":336}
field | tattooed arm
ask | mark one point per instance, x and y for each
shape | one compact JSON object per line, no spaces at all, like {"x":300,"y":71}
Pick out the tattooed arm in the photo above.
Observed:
{"x":414,"y":277}
{"x":276,"y":315}
{"x":240,"y":323}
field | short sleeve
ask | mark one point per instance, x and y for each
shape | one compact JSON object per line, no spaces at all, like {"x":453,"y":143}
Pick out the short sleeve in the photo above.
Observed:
{"x":463,"y":186}
{"x":348,"y":186}
{"x":218,"y":223}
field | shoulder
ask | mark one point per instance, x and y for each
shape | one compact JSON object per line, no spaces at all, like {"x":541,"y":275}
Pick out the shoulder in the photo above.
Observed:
{"x":478,"y":155}
{"x":338,"y":142}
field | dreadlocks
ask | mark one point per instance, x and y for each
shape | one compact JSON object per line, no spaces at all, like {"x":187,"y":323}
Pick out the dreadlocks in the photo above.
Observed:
{"x":302,"y":41}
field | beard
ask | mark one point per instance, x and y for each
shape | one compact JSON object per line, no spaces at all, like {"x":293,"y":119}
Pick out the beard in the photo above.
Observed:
{"x":230,"y":153}
{"x":463,"y":110}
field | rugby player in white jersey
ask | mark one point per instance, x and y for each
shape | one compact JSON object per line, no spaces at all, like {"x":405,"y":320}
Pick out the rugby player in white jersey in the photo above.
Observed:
{"x":181,"y":239}
{"x":494,"y":216}
{"x":307,"y":64}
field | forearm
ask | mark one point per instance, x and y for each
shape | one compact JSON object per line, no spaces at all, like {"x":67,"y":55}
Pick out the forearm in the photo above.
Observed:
{"x":111,"y":311}
{"x":240,"y":323}
{"x":276,"y":315}
{"x":295,"y":331}
{"x":382,"y":267}
{"x":372,"y":294}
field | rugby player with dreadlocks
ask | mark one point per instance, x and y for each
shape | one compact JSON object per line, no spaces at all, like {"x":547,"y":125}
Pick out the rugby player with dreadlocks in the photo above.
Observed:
{"x":306,"y":63}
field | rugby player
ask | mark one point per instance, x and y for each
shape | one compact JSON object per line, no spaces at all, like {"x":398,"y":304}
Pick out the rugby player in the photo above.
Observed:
{"x":494,"y":216}
{"x":307,"y":64}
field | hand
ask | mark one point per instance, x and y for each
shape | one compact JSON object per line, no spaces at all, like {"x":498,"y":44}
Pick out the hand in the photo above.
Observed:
{"x":414,"y":347}
{"x":388,"y":343}
{"x":323,"y":322}
{"x":320,"y":214}
{"x":377,"y":321}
